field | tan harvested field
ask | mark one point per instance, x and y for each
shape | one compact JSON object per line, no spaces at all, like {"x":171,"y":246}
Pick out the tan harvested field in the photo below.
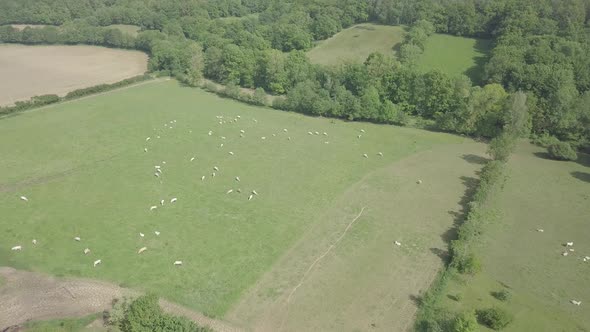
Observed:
{"x":365,"y":282}
{"x":27,"y":71}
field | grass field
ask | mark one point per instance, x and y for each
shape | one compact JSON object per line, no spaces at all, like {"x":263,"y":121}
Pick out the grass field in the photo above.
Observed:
{"x":27,"y":71}
{"x":456,"y":55}
{"x":65,"y":325}
{"x":132,"y":30}
{"x":356,"y":43}
{"x":539,"y":194}
{"x":89,"y":177}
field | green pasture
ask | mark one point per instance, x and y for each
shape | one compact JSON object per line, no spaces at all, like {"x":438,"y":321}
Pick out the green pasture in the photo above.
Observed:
{"x":539,"y":194}
{"x":83,"y":168}
{"x":456,"y":55}
{"x":354,"y":44}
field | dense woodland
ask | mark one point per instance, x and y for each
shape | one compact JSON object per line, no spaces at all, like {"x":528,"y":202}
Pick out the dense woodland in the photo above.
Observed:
{"x":541,"y":48}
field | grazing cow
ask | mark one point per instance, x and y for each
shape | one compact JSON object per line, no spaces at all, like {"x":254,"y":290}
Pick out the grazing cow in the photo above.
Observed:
{"x":161,"y":202}
{"x":141,"y":234}
{"x":177,"y":263}
{"x":397,"y":243}
{"x":16,"y":248}
{"x":153,"y":207}
{"x":254,"y":192}
{"x":96,"y":262}
{"x":24,"y":198}
{"x":77,"y":238}
{"x":173,"y":200}
{"x":380,"y":153}
{"x":157,"y":233}
{"x":142,"y":249}
{"x":250,"y":197}
{"x":203,"y":178}
{"x":86,"y":251}
{"x":147,"y":139}
{"x":229,"y":191}
{"x":365,"y":155}
{"x":193,"y":158}
{"x":34,"y":241}
{"x":144,"y":149}
{"x":238,"y":178}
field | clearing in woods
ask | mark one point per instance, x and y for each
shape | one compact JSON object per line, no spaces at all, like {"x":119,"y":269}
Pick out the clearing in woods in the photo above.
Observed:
{"x":90,"y":177}
{"x":456,"y":55}
{"x":354,"y":44}
{"x":539,"y":194}
{"x":27,"y":71}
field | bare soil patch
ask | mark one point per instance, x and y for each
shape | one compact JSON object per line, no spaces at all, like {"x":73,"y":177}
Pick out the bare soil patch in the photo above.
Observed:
{"x":27,"y":71}
{"x":26,"y":296}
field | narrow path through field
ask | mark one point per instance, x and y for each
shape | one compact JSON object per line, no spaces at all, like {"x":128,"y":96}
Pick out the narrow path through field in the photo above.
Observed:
{"x":28,"y":296}
{"x":367,"y":282}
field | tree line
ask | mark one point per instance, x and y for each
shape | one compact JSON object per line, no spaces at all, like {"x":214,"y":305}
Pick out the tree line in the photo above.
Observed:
{"x":541,"y":49}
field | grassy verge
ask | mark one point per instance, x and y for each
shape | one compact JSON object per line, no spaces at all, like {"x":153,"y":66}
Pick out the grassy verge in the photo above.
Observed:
{"x":62,"y":325}
{"x":38,"y":101}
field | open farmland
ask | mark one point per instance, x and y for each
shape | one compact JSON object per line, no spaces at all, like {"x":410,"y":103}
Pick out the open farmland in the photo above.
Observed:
{"x":90,"y":178}
{"x":540,"y":194}
{"x":456,"y":55}
{"x":27,"y":71}
{"x":354,"y":44}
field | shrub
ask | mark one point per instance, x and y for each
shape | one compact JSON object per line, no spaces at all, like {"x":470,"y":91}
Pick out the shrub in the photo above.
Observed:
{"x":494,"y":318}
{"x":501,"y":147}
{"x":465,"y":322}
{"x":562,"y":151}
{"x":503,"y":295}
{"x":259,"y":97}
{"x":544,"y":140}
{"x":145,"y":314}
{"x":211,"y":87}
{"x":232,"y":91}
{"x":469,"y":264}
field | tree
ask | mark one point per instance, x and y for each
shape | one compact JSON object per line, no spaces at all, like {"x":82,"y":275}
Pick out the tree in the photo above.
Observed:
{"x":259,"y":97}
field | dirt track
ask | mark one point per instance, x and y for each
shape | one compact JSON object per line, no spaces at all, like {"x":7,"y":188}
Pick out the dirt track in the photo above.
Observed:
{"x":33,"y":296}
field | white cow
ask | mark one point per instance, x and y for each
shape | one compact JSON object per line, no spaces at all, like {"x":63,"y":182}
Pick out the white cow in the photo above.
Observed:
{"x":153,"y":207}
{"x":142,"y":250}
{"x":173,"y":200}
{"x":24,"y":198}
{"x":96,"y":262}
{"x":177,"y":263}
{"x":15,"y":248}
{"x":77,"y":238}
{"x":86,"y":251}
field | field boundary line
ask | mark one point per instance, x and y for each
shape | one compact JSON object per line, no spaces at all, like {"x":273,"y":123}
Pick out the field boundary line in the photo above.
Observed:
{"x":155,"y":80}
{"x":315,"y":262}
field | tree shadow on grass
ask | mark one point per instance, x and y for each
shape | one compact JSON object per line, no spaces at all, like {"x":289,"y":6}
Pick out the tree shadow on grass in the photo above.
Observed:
{"x":475,"y":159}
{"x":543,"y":155}
{"x":470,"y":184}
{"x":476,"y":72}
{"x":583,"y":176}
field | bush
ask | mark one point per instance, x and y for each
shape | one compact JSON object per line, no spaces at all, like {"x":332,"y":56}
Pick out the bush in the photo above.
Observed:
{"x":562,"y":151}
{"x":544,"y":140}
{"x":494,"y":318}
{"x":211,"y":87}
{"x":465,"y":322}
{"x":145,"y":314}
{"x":259,"y":97}
{"x":470,"y":264}
{"x":232,"y":91}
{"x":501,"y":147}
{"x":502,"y":295}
